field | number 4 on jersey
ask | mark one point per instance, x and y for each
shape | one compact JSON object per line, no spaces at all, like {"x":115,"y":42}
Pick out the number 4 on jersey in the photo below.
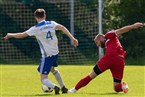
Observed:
{"x":49,"y":35}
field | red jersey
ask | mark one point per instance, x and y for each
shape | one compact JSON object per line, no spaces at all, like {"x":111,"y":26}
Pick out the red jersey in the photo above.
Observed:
{"x":113,"y":45}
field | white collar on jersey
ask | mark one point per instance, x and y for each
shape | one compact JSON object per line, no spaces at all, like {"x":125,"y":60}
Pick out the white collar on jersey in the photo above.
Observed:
{"x":41,"y":21}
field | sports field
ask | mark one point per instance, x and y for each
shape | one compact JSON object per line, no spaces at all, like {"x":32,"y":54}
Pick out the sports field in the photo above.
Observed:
{"x":23,"y":81}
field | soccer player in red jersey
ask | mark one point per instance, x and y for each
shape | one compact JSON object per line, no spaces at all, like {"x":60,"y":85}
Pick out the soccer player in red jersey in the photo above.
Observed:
{"x":112,"y":60}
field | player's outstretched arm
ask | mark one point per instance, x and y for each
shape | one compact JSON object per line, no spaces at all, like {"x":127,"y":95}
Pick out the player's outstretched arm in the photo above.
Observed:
{"x":65,"y":30}
{"x":15,"y":35}
{"x":128,"y":28}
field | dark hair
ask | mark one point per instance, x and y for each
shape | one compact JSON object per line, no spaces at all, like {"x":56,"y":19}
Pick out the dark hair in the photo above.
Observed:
{"x":39,"y":13}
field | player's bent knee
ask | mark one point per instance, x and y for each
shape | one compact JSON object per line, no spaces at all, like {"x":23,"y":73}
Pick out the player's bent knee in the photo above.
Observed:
{"x":97,"y":70}
{"x":118,"y":87}
{"x":43,"y":76}
{"x":55,"y":72}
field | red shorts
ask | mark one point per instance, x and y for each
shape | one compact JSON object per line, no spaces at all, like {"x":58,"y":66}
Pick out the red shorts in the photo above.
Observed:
{"x":114,"y":63}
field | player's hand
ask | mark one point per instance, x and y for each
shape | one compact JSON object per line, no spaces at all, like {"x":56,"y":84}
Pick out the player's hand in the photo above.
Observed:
{"x":137,"y":25}
{"x":75,"y":42}
{"x":6,"y":37}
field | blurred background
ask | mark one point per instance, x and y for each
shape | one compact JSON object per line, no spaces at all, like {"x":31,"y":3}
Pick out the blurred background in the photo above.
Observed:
{"x":81,"y":18}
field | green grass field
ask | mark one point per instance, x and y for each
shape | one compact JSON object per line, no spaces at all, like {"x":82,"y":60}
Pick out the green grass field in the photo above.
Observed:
{"x":23,"y":81}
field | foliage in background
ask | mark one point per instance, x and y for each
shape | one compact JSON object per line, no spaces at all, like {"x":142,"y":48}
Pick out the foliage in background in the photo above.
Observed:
{"x":125,"y":13}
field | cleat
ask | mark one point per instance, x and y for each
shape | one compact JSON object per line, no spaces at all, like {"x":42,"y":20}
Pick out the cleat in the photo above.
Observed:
{"x":64,"y":90}
{"x":56,"y":89}
{"x":73,"y":90}
{"x":124,"y":87}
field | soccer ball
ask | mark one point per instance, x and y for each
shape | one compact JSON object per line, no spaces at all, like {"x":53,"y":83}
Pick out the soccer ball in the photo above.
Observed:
{"x":46,"y":89}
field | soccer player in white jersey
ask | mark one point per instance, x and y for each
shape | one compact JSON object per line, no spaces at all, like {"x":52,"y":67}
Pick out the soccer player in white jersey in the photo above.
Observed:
{"x":44,"y":32}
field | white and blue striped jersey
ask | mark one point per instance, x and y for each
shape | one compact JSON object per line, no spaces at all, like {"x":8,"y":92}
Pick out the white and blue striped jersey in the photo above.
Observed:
{"x":45,"y":34}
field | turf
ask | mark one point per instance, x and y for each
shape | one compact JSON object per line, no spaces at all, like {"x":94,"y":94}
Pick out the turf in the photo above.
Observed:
{"x":23,"y":81}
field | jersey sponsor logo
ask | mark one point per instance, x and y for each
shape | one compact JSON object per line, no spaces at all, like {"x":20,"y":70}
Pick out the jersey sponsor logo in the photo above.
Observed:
{"x":46,"y":27}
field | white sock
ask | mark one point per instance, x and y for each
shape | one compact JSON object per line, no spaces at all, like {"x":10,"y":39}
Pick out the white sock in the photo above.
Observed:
{"x":58,"y":78}
{"x":48,"y":83}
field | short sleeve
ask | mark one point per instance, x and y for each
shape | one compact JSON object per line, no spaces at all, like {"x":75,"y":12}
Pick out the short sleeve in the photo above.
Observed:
{"x":31,"y":31}
{"x":111,"y":34}
{"x":54,"y":23}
